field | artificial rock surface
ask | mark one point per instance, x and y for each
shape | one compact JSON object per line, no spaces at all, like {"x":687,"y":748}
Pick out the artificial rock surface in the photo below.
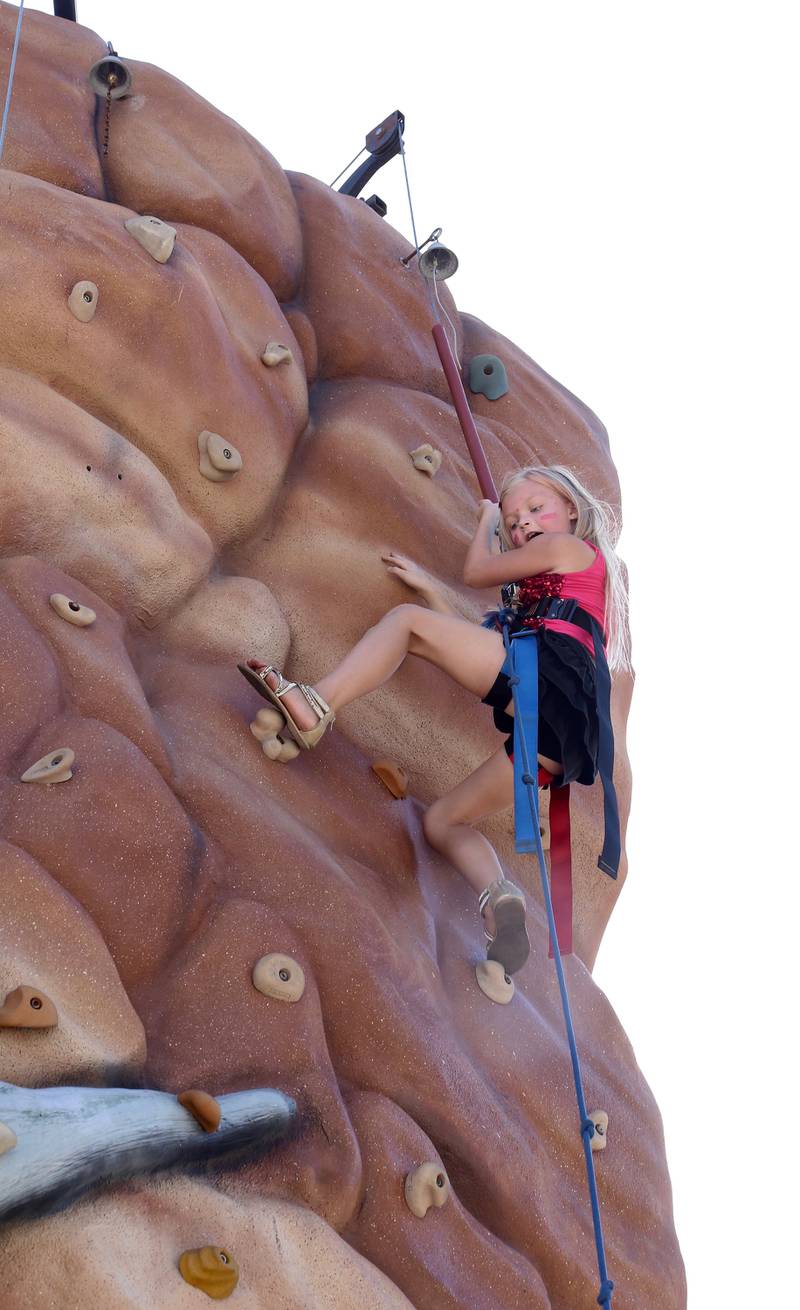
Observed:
{"x":140,"y":893}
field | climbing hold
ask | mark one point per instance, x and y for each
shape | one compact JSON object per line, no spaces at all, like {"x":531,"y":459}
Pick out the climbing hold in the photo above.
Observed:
{"x":494,"y":982}
{"x":600,"y":1135}
{"x":83,"y":300}
{"x":70,"y":610}
{"x":280,"y":977}
{"x":392,"y":776}
{"x":426,"y":1186}
{"x":488,"y":377}
{"x":219,"y":460}
{"x":55,"y":767}
{"x":210,"y":1268}
{"x":28,"y":1007}
{"x":8,"y":1139}
{"x":427,"y":459}
{"x":275,"y":354}
{"x":203,"y":1107}
{"x":265,"y":728}
{"x":156,"y":236}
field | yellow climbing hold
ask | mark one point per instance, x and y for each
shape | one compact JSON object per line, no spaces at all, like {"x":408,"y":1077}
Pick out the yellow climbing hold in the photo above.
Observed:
{"x":8,"y":1139}
{"x":204,"y":1108}
{"x":275,"y":354}
{"x":280,"y":977}
{"x":392,"y":776}
{"x":83,"y":301}
{"x":494,"y":982}
{"x":428,"y":1185}
{"x":212,"y":1269}
{"x":219,"y":460}
{"x":427,"y":459}
{"x":154,"y":235}
{"x":28,"y":1007}
{"x":600,"y":1136}
{"x":55,"y":767}
{"x":265,"y":728}
{"x":70,"y":610}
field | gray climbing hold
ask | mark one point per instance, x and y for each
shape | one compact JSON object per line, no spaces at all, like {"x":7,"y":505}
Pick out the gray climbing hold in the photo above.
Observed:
{"x":276,"y":354}
{"x":487,"y":377}
{"x":427,"y":459}
{"x":219,"y":460}
{"x":156,"y":236}
{"x":70,"y":610}
{"x":55,"y":767}
{"x":426,"y":1186}
{"x":83,"y":301}
{"x":280,"y":977}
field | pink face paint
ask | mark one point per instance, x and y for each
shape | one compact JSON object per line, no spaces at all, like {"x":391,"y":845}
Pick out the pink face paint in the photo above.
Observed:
{"x":544,"y":517}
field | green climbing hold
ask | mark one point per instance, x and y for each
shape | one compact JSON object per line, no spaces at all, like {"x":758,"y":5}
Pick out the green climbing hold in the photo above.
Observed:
{"x":487,"y":376}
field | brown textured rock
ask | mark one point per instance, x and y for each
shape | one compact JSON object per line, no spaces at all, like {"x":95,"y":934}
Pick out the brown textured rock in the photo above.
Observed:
{"x":28,"y":1007}
{"x":142,"y":894}
{"x":210,"y":1268}
{"x":393,"y":777}
{"x":204,"y":1108}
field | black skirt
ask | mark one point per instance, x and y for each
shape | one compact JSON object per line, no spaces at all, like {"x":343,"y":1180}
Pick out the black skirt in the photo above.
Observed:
{"x":568,"y":728}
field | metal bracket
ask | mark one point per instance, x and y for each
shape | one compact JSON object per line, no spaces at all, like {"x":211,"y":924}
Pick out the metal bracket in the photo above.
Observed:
{"x":65,"y":9}
{"x":383,"y":143}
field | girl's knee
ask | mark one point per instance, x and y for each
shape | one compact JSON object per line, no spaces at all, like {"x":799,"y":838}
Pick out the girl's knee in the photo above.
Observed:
{"x":436,"y":824}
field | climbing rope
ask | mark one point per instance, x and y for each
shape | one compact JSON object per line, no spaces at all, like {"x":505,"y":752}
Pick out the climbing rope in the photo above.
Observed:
{"x":11,"y":80}
{"x":531,"y":787}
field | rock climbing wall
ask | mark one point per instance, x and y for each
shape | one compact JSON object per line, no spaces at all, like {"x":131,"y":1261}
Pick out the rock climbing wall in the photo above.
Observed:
{"x":212,"y":375}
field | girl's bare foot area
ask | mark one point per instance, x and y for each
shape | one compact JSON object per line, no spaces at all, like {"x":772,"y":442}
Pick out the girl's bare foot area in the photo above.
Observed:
{"x":295,"y":701}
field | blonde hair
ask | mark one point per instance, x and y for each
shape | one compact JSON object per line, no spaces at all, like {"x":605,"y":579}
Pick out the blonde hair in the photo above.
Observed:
{"x":597,"y":523}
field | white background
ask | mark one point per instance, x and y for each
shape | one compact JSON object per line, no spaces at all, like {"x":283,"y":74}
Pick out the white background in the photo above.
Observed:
{"x":617,"y":181}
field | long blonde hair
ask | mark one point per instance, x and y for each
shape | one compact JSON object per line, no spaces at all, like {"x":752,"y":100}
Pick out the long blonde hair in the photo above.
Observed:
{"x":598,"y":524}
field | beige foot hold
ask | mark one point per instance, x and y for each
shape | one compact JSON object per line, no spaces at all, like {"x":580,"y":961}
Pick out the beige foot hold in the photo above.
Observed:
{"x":219,"y":460}
{"x":494,"y":982}
{"x":392,"y":776}
{"x":28,"y":1007}
{"x":83,"y":301}
{"x":70,"y":610}
{"x":203,"y":1108}
{"x":276,"y":354}
{"x":280,"y":977}
{"x":265,"y":728}
{"x":600,"y":1120}
{"x":427,"y":459}
{"x":8,"y":1139}
{"x":210,"y":1268}
{"x":55,"y":767}
{"x":426,"y":1186}
{"x":156,"y":236}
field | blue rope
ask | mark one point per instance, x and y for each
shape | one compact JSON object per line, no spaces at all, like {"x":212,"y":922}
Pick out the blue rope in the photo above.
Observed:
{"x":11,"y":80}
{"x":531,"y":787}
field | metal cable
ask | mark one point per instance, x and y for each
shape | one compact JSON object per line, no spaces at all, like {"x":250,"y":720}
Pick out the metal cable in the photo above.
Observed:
{"x":11,"y":79}
{"x":344,"y":170}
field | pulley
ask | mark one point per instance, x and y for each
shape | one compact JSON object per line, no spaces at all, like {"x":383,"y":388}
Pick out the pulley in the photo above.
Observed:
{"x":437,"y":262}
{"x":110,"y":77}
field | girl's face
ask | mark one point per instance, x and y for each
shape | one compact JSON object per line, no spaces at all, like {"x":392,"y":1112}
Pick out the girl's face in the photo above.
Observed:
{"x":532,"y":507}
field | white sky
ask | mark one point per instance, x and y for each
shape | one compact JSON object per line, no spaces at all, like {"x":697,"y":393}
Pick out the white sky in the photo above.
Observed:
{"x":618,"y":182}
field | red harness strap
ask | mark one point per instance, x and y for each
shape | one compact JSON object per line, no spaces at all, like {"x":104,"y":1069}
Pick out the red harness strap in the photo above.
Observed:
{"x":561,"y":868}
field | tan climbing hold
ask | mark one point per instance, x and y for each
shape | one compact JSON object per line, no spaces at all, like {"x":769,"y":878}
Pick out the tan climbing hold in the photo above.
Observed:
{"x":280,"y":977}
{"x":219,"y":460}
{"x":265,"y":728}
{"x":55,"y":767}
{"x":212,"y":1269}
{"x":427,"y":459}
{"x":8,"y":1139}
{"x":156,"y":236}
{"x":600,"y":1136}
{"x":392,"y":776}
{"x":83,"y":301}
{"x":28,"y":1007}
{"x":203,"y":1108}
{"x":494,"y":982}
{"x":426,"y":1186}
{"x":70,"y":610}
{"x":276,"y":354}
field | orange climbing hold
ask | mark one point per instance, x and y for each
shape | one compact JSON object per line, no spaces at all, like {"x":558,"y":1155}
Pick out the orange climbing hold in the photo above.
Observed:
{"x":28,"y":1007}
{"x":203,"y":1108}
{"x":392,"y":776}
{"x":212,"y":1269}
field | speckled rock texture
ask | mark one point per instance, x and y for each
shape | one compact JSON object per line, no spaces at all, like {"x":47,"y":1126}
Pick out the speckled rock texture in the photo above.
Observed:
{"x":140,"y":893}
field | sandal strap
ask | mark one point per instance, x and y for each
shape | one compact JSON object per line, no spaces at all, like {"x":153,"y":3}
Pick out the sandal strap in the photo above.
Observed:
{"x":318,"y":705}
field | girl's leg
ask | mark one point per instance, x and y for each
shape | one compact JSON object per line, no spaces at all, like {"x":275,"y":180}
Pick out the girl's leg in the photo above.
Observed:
{"x":448,"y":822}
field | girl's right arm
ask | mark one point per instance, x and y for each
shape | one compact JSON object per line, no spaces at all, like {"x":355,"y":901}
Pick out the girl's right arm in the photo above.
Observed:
{"x":418,"y":580}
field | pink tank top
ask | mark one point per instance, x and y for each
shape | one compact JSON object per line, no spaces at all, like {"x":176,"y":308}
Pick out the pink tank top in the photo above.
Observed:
{"x":587,"y":587}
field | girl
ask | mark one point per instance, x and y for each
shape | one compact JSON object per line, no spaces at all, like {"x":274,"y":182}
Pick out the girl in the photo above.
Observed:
{"x":558,"y":543}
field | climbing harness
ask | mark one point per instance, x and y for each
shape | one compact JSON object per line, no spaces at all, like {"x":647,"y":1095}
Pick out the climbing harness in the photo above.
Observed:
{"x":10,"y":86}
{"x":521,"y":667}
